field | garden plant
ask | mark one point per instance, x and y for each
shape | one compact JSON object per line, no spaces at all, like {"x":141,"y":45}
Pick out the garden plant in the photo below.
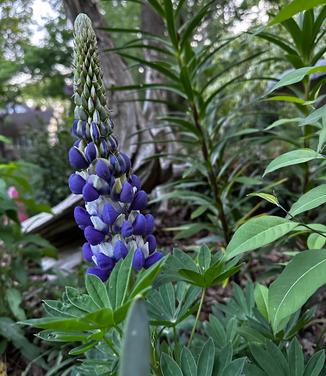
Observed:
{"x":256,"y":216}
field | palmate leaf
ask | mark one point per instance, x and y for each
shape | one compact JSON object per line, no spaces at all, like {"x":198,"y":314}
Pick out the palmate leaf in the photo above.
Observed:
{"x":292,"y":158}
{"x":171,"y":304}
{"x":304,"y":274}
{"x":256,"y":233}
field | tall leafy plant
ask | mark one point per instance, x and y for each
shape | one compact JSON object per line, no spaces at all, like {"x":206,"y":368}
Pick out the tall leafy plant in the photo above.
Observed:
{"x":200,"y":86}
{"x":305,"y":272}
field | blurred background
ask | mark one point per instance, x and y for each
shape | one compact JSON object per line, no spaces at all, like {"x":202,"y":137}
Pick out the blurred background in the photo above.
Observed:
{"x":36,"y":73}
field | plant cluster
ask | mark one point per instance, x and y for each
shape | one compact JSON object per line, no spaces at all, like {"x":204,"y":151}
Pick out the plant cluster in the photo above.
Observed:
{"x":20,"y":260}
{"x":140,"y":311}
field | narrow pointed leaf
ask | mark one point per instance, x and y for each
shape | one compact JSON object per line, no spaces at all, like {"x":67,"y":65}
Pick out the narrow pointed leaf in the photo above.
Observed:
{"x":135,"y":358}
{"x":293,"y":8}
{"x":292,"y":158}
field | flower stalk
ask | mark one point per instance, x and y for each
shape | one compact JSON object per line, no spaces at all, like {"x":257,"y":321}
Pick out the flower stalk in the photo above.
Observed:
{"x":113,"y":220}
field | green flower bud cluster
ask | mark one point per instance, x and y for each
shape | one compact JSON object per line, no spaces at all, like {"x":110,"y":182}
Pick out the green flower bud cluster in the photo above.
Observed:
{"x":89,"y":97}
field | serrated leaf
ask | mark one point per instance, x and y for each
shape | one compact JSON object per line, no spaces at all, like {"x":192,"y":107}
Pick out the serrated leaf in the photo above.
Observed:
{"x":292,"y":158}
{"x":309,"y":200}
{"x":256,"y":233}
{"x":302,"y":276}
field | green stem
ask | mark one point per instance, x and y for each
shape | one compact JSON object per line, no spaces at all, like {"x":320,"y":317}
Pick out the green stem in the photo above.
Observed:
{"x":197,"y":316}
{"x":211,"y":176}
{"x":110,"y":344}
{"x":301,"y":223}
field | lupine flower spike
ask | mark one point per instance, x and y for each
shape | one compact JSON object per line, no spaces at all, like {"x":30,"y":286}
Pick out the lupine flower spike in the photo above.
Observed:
{"x":113,"y":220}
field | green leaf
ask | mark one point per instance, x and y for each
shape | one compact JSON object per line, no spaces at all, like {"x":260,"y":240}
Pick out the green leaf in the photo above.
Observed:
{"x":304,"y":274}
{"x":97,"y":291}
{"x":296,"y":358}
{"x":270,"y":359}
{"x":314,"y":116}
{"x":82,"y":348}
{"x":14,"y":300}
{"x":309,"y":200}
{"x":261,"y":299}
{"x":103,"y":318}
{"x":58,"y":323}
{"x":206,"y":359}
{"x":188,"y":364}
{"x":297,"y":76}
{"x":266,"y":196}
{"x":235,"y":367}
{"x":170,"y":22}
{"x":287,"y":98}
{"x":123,"y":281}
{"x":81,"y":301}
{"x":12,"y":332}
{"x":256,"y":233}
{"x":146,"y":278}
{"x":293,"y":8}
{"x":192,"y":277}
{"x":169,"y":366}
{"x":315,"y":364}
{"x":135,"y":359}
{"x":292,"y":158}
{"x":204,"y":258}
{"x":283,"y":121}
{"x":316,"y":241}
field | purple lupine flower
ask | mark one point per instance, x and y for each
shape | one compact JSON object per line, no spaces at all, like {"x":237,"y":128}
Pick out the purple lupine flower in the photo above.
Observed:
{"x":113,"y":220}
{"x":76,"y":183}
